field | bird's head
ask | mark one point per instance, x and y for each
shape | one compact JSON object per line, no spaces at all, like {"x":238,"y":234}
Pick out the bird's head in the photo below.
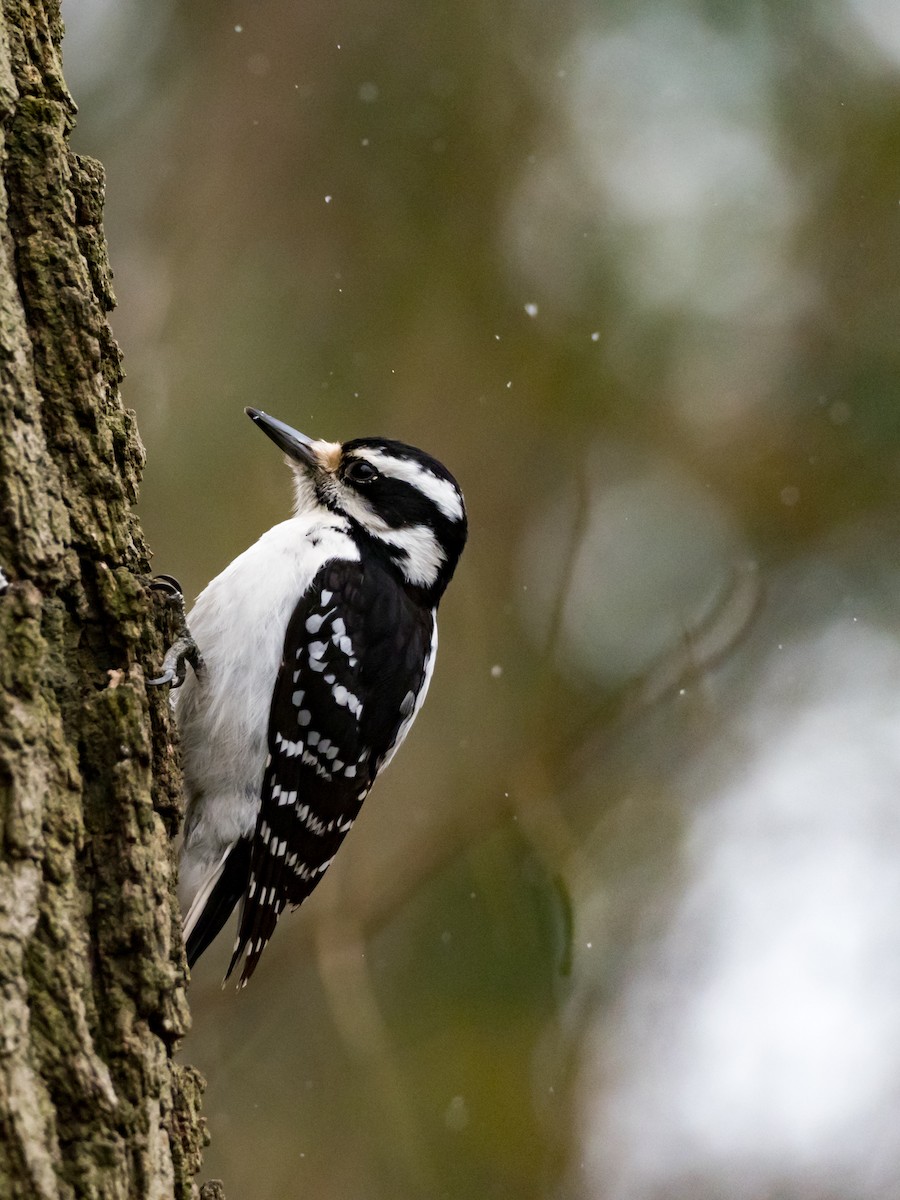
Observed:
{"x":402,"y":500}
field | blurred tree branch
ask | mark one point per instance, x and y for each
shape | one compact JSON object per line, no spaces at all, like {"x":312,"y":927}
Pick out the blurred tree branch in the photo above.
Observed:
{"x":91,"y":970}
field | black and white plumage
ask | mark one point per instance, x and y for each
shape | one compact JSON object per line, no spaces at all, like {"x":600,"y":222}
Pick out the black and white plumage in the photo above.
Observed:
{"x":318,"y":645}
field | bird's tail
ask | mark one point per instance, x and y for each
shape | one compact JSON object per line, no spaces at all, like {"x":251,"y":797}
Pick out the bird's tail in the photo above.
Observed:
{"x":215,"y":899}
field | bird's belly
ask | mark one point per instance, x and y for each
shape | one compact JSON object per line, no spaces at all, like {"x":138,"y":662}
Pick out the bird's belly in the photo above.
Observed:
{"x":239,"y":623}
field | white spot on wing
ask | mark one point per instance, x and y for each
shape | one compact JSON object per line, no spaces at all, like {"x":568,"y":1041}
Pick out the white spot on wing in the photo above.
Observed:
{"x":288,"y":748}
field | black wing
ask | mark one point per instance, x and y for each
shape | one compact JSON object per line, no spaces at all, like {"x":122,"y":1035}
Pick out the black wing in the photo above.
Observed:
{"x":355,"y":658}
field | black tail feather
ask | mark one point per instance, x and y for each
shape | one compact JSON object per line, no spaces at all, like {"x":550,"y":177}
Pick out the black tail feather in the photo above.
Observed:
{"x":230,"y":886}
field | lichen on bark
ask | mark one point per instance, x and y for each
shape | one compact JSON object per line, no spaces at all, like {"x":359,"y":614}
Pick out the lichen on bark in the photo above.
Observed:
{"x":92,"y":977}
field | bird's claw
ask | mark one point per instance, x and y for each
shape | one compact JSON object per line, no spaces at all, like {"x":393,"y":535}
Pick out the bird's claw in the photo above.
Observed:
{"x":183,"y":650}
{"x":167,"y":583}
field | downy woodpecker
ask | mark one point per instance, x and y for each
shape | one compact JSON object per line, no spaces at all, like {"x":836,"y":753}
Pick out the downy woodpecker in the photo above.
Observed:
{"x":318,"y":645}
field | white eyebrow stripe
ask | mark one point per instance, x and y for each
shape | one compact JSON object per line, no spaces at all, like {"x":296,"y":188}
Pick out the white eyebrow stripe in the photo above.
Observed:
{"x":440,"y":491}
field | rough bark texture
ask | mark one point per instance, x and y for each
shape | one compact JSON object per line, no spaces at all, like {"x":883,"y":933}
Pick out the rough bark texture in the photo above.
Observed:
{"x":92,"y":1001}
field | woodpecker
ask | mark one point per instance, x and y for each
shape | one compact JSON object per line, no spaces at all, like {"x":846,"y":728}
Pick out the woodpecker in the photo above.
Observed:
{"x":317,"y":644}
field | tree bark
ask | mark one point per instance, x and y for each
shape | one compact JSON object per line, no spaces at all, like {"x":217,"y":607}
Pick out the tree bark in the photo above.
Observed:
{"x":92,"y":977}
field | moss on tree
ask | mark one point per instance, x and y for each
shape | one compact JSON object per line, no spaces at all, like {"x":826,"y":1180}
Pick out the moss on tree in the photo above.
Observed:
{"x":92,"y":982}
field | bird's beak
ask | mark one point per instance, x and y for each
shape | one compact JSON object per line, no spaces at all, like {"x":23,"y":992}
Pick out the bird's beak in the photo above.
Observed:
{"x":297,"y":445}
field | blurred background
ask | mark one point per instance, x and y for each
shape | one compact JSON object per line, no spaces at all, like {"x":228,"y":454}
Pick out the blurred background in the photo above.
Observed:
{"x":623,"y":920}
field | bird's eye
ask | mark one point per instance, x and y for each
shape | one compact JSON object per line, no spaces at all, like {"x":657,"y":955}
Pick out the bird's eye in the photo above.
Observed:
{"x":360,"y":471}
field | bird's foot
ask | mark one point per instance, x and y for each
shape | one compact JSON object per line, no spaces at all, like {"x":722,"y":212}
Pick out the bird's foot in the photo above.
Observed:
{"x":184,"y":649}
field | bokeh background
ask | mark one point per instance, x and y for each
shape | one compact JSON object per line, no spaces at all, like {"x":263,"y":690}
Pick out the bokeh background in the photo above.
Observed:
{"x":623,"y":920}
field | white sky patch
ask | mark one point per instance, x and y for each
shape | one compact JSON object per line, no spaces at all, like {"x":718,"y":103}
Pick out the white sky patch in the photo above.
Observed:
{"x":756,"y":1045}
{"x":440,"y":491}
{"x":879,"y":20}
{"x":672,"y":156}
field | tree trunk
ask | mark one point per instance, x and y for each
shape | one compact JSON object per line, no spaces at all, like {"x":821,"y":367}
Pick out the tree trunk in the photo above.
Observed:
{"x":92,"y":978}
